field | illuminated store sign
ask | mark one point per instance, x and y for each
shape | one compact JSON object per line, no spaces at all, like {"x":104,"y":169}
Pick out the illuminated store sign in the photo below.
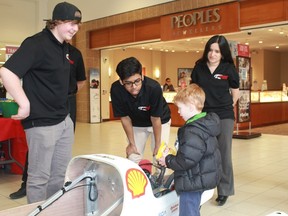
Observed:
{"x":191,"y":19}
{"x":209,"y":21}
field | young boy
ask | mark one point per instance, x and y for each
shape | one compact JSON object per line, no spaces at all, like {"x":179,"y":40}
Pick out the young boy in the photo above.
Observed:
{"x":197,"y":164}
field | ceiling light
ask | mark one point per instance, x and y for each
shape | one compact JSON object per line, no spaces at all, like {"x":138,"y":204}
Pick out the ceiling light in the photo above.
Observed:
{"x":166,"y":50}
{"x":270,"y":30}
{"x":197,"y":51}
{"x":3,"y":49}
{"x":260,"y":41}
{"x":173,"y":51}
{"x":187,"y":51}
{"x":247,"y":43}
{"x":277,"y":47}
{"x":142,"y":47}
{"x":188,"y":39}
{"x":150,"y":48}
{"x":281,"y":32}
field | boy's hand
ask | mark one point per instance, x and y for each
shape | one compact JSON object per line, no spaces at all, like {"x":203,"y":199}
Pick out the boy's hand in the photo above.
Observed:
{"x":161,"y":161}
{"x":166,"y":151}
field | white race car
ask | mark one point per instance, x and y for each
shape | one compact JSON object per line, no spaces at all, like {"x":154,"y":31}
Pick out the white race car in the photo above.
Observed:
{"x":102,"y":184}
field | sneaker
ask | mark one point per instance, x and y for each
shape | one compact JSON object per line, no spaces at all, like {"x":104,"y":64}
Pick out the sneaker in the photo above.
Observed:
{"x":18,"y":194}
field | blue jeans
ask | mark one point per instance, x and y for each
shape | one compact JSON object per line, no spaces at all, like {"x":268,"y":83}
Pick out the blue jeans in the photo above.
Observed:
{"x":190,"y":203}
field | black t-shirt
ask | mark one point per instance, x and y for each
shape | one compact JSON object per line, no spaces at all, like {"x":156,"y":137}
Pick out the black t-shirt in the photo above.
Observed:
{"x":217,"y":87}
{"x":77,"y":68}
{"x":42,"y":62}
{"x":149,"y":102}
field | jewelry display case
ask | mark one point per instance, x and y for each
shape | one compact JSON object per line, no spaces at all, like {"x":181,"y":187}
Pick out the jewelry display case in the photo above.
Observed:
{"x":268,"y":96}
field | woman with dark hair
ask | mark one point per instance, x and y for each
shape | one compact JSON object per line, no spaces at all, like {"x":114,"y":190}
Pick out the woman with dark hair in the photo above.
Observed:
{"x":215,"y":72}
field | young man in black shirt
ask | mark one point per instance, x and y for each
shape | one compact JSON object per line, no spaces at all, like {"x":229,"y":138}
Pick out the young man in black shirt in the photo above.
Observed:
{"x":77,"y":80}
{"x":43,"y":64}
{"x":138,"y":100}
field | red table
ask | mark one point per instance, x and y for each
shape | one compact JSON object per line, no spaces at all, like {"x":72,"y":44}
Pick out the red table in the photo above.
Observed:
{"x":13,"y":140}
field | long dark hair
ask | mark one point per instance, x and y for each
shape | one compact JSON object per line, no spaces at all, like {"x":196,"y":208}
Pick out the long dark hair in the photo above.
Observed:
{"x":224,"y":49}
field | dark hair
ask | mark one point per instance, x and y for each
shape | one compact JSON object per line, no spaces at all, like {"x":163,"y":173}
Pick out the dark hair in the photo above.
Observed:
{"x":224,"y":49}
{"x":51,"y":24}
{"x":128,"y":67}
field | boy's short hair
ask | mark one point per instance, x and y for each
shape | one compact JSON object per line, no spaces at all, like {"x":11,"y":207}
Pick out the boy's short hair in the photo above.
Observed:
{"x":191,"y":94}
{"x":128,"y":67}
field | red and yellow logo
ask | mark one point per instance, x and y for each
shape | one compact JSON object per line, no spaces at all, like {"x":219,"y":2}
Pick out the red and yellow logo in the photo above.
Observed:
{"x":136,"y":182}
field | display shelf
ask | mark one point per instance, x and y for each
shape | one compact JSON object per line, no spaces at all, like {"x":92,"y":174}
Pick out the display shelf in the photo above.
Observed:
{"x":256,"y":96}
{"x":268,"y":96}
{"x":169,"y":96}
{"x":245,"y":135}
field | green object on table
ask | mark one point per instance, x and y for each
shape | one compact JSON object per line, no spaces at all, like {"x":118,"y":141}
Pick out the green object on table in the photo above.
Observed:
{"x":9,"y":108}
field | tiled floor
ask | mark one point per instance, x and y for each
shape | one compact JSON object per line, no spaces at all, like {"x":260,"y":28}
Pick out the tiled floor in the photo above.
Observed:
{"x":260,"y":169}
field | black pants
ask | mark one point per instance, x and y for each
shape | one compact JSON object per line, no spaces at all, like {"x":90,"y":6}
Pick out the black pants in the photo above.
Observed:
{"x":25,"y":173}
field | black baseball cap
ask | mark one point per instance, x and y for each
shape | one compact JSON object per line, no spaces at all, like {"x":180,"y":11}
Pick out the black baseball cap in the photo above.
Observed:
{"x":66,"y":11}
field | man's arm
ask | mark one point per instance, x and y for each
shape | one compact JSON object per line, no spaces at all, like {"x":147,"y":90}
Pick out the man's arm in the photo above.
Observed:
{"x":13,"y":86}
{"x":128,"y":128}
{"x":157,"y":128}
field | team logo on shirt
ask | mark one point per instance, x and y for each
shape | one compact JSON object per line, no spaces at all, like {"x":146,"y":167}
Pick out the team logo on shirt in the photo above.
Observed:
{"x":144,"y":108}
{"x":70,"y":61}
{"x":221,"y":76}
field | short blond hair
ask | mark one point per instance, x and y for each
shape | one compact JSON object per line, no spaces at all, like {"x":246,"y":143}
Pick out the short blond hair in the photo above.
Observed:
{"x":191,"y":94}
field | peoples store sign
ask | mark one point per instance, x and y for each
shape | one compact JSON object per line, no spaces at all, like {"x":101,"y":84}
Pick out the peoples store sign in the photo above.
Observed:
{"x":208,"y":21}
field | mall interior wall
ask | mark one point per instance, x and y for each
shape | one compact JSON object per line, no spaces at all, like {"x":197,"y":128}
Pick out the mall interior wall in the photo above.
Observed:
{"x":33,"y":12}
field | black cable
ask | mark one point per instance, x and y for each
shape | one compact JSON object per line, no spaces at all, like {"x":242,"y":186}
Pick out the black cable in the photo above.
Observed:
{"x":40,"y":208}
{"x":93,"y":191}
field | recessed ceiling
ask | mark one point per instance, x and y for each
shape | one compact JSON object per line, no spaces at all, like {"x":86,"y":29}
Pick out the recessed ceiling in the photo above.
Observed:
{"x":267,"y":38}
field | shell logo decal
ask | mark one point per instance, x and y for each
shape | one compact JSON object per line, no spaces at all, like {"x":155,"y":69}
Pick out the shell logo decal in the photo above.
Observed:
{"x":136,"y":182}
